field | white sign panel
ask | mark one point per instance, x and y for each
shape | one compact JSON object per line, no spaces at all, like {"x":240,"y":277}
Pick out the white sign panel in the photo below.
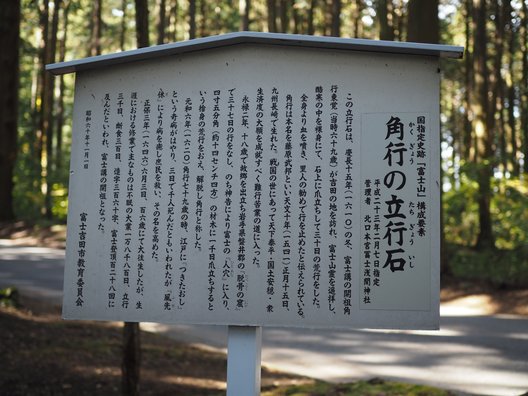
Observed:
{"x":256,"y":185}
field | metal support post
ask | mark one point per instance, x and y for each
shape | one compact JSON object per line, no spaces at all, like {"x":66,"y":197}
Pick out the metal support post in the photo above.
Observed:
{"x":243,"y":360}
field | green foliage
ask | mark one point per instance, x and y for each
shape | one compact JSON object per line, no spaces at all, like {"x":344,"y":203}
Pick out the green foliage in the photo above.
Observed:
{"x":508,"y":206}
{"x":460,"y":213}
{"x":373,"y":387}
{"x":506,"y":264}
{"x":9,"y":297}
{"x":499,"y":267}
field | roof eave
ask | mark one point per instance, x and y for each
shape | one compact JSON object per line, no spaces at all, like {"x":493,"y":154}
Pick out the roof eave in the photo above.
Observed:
{"x":181,"y":47}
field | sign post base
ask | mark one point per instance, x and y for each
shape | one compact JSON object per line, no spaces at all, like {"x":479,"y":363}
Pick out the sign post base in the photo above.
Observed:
{"x":243,"y":360}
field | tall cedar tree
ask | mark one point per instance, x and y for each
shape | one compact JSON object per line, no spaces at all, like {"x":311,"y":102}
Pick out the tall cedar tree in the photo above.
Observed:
{"x":483,"y":125}
{"x":524,"y":82}
{"x":51,"y":49}
{"x":9,"y":70}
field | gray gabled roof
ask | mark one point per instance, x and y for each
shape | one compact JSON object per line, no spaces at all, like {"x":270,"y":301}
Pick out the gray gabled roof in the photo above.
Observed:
{"x":292,"y":40}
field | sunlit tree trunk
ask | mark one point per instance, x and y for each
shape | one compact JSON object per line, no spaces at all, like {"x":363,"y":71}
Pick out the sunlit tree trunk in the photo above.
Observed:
{"x":497,"y":100}
{"x":9,"y":71}
{"x":524,"y":83}
{"x":41,"y":104}
{"x":468,"y":84}
{"x":358,"y":23}
{"x":48,"y":111}
{"x":173,"y":21}
{"x":399,"y":18}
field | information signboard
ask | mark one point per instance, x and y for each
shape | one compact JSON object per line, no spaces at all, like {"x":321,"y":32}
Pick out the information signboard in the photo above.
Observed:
{"x":257,"y":184}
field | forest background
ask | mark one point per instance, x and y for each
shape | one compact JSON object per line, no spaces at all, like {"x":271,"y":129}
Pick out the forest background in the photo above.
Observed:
{"x":484,"y":99}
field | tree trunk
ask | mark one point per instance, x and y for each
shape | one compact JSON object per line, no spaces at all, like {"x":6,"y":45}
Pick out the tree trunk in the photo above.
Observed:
{"x":297,"y":20}
{"x":60,"y":105}
{"x":399,"y":20}
{"x":41,"y":105}
{"x":131,"y":364}
{"x":327,"y":28}
{"x":336,"y":18}
{"x":122,"y":31}
{"x":524,"y":83}
{"x":96,"y":26}
{"x":48,"y":110}
{"x":483,"y":134}
{"x":468,"y":82}
{"x":9,"y":67}
{"x":284,"y":20}
{"x":386,"y":31}
{"x":358,"y":24}
{"x":501,"y":127}
{"x":203,"y":24}
{"x":142,"y":23}
{"x":512,"y":120}
{"x":422,"y":22}
{"x":497,"y":100}
{"x":272,"y":15}
{"x":311,"y":12}
{"x":161,"y":22}
{"x":244,"y":15}
{"x":173,"y":21}
{"x":192,"y":19}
